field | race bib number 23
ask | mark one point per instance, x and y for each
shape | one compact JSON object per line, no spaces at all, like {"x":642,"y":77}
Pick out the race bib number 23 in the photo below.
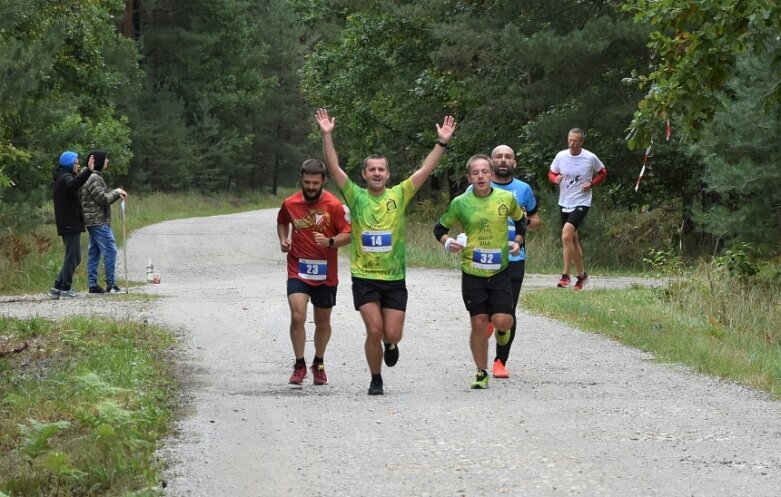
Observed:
{"x":312,"y":270}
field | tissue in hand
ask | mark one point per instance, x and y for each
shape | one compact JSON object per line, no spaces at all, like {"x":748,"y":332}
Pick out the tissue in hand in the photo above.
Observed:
{"x":461,"y":239}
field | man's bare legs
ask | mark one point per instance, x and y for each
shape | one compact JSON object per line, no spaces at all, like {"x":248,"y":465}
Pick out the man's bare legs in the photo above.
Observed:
{"x":478,"y":339}
{"x":322,"y":330}
{"x":572,"y":250}
{"x":382,"y":325}
{"x":298,"y":303}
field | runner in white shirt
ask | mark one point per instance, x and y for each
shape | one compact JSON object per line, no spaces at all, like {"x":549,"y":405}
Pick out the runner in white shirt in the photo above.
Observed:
{"x":576,"y":171}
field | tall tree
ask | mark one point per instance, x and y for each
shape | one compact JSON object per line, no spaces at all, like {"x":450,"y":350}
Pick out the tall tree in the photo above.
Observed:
{"x":204,"y":58}
{"x":739,"y":147}
{"x":283,"y":121}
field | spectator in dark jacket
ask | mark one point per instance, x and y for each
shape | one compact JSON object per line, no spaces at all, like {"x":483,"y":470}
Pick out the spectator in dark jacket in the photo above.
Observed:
{"x":96,"y":200}
{"x":69,"y":218}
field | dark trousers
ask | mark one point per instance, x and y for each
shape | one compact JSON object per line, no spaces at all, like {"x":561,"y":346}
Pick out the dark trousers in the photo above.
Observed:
{"x":70,"y":261}
{"x":517,"y":270}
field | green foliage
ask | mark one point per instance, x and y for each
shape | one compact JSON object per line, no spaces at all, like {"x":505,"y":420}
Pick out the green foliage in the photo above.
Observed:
{"x":63,"y":63}
{"x":736,"y":260}
{"x":739,"y":147}
{"x":504,"y":69}
{"x":663,"y":262}
{"x":694,"y":50}
{"x":110,"y":381}
{"x":36,"y":437}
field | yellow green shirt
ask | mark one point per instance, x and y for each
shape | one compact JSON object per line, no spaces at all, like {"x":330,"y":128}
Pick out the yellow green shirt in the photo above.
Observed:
{"x":484,"y":220}
{"x":378,"y":249}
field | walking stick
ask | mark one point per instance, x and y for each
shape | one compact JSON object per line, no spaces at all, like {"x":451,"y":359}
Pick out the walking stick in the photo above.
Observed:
{"x":124,"y":242}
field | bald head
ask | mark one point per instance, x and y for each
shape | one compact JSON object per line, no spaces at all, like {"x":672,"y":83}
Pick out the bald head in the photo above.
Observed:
{"x":503,"y":159}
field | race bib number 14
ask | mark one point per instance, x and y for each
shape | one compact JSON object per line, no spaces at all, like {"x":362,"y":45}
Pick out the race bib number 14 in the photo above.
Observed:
{"x":376,"y":241}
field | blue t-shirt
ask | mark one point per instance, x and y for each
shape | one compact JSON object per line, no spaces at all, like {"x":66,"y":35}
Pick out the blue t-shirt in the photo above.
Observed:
{"x":525,"y":197}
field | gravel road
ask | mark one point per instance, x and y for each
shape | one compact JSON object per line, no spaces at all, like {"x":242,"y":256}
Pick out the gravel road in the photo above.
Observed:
{"x":579,"y":416}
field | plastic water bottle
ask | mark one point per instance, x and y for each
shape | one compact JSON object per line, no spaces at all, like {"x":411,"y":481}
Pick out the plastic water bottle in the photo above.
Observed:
{"x":150,"y":270}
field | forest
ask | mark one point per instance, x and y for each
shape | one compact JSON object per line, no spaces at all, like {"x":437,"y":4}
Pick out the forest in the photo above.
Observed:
{"x":219,"y":96}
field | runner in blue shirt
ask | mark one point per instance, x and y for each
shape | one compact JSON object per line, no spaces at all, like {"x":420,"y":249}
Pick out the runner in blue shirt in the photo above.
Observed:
{"x":503,"y":158}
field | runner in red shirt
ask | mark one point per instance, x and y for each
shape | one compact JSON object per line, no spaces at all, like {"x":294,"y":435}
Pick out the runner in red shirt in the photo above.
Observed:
{"x":320,"y":225}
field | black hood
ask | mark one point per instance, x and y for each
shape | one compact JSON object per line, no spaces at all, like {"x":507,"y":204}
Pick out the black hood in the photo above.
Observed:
{"x":100,"y":158}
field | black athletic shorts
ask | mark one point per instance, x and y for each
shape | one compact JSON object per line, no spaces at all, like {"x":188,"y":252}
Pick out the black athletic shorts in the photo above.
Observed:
{"x":321,"y":295}
{"x":491,"y":295}
{"x":575,"y":217}
{"x":390,"y":294}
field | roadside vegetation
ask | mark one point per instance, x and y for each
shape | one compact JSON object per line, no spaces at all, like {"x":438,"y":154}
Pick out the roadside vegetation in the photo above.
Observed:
{"x":85,"y":402}
{"x":715,"y":321}
{"x":83,"y":409}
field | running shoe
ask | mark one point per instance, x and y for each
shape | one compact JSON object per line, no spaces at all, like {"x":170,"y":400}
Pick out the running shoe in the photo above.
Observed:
{"x":96,"y":289}
{"x":54,"y":293}
{"x":499,"y":371}
{"x":564,"y":281}
{"x":299,"y":373}
{"x":391,"y":354}
{"x":481,"y":380}
{"x":114,"y":289}
{"x":70,"y":294}
{"x":502,"y":338}
{"x":375,"y":387}
{"x":581,"y":282}
{"x":489,"y":329}
{"x":318,"y":374}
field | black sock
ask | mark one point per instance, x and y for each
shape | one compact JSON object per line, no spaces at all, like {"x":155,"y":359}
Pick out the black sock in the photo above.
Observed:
{"x":317,"y":360}
{"x":300,"y":360}
{"x":377,"y":377}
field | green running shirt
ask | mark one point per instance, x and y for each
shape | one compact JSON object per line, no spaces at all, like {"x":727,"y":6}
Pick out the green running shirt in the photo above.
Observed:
{"x":484,"y":220}
{"x":378,"y":249}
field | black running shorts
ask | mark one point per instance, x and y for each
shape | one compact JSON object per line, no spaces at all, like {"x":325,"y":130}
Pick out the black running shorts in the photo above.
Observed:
{"x":321,"y":295}
{"x":575,"y":217}
{"x":390,"y":294}
{"x":491,"y":295}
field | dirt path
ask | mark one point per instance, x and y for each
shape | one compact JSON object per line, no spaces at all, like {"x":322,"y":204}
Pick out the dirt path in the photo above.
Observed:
{"x":580,"y":415}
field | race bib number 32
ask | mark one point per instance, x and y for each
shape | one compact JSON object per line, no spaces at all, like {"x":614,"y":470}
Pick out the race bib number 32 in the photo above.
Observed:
{"x":487,"y":259}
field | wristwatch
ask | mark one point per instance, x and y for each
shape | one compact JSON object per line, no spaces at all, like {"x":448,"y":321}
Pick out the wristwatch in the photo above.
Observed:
{"x":330,"y":242}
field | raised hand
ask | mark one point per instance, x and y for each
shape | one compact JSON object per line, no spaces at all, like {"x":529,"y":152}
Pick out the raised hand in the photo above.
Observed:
{"x":445,"y":131}
{"x":326,"y":124}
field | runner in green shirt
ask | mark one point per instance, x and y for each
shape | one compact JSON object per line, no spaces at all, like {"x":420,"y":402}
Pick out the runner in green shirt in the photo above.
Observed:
{"x":485,"y":281}
{"x":377,"y":254}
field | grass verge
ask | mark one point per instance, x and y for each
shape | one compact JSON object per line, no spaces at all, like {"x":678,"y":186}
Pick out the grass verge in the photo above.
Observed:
{"x":83,"y":407}
{"x":669,"y":324}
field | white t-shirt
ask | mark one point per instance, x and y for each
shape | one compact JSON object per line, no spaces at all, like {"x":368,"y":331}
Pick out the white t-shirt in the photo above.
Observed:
{"x":575,"y":170}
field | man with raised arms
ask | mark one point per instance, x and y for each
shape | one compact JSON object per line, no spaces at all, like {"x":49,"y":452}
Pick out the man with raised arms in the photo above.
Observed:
{"x":377,"y":255}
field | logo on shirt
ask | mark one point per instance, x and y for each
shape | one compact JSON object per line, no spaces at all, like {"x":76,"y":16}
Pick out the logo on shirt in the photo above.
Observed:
{"x":314,"y":219}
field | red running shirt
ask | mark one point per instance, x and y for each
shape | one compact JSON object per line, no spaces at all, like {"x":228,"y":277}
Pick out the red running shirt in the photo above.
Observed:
{"x":305,"y":260}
